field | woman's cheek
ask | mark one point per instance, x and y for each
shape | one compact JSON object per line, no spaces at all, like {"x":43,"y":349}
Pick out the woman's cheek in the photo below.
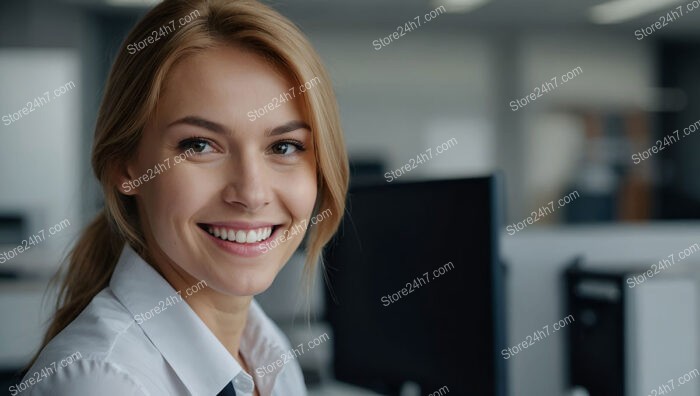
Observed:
{"x":301,"y":190}
{"x":178,"y":195}
{"x":185,"y":178}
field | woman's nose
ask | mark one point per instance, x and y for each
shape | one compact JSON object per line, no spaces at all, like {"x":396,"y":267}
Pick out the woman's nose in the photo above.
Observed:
{"x":247,"y":185}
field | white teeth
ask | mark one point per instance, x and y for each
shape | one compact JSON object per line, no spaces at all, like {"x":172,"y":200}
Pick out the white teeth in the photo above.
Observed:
{"x":251,"y":237}
{"x":240,"y":236}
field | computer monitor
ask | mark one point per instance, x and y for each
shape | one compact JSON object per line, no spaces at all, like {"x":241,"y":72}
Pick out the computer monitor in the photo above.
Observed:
{"x":416,"y":288}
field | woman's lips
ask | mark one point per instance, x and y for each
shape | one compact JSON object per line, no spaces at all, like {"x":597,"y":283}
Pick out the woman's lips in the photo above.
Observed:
{"x":239,"y":235}
{"x":244,"y":241}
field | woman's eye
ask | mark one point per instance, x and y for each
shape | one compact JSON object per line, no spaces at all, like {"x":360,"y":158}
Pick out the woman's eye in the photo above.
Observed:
{"x":197,"y":144}
{"x":287,"y":148}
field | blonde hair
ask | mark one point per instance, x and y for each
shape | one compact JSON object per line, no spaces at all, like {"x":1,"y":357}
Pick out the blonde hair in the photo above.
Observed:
{"x":130,"y":97}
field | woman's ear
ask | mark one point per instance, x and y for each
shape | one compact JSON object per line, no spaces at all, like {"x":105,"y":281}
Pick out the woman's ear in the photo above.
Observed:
{"x":125,"y":182}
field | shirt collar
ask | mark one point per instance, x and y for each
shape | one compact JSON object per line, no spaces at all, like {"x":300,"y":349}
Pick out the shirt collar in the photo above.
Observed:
{"x":198,"y":358}
{"x":262,"y":345}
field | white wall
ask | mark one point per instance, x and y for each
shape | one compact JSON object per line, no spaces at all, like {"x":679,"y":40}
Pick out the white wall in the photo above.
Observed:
{"x":414,"y":94}
{"x":26,"y":307}
{"x":39,"y":153}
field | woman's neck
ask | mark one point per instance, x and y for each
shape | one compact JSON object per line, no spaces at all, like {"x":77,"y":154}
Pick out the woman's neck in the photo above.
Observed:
{"x":226,"y":316}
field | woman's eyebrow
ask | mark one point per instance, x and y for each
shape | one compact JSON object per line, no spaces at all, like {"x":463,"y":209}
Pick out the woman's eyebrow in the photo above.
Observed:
{"x":219,"y":128}
{"x":288,"y":127}
{"x":202,"y":123}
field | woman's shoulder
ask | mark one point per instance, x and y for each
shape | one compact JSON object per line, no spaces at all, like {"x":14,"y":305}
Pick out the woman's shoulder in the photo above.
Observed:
{"x":101,"y":331}
{"x":102,"y":348}
{"x":76,"y":375}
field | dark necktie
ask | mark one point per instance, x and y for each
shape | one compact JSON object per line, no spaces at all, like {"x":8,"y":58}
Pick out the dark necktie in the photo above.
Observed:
{"x":227,"y":391}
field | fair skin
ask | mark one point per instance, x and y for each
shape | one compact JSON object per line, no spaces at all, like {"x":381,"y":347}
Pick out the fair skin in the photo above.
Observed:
{"x":242,"y":174}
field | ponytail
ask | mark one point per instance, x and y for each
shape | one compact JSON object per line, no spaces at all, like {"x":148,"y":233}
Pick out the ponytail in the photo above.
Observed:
{"x":91,"y":264}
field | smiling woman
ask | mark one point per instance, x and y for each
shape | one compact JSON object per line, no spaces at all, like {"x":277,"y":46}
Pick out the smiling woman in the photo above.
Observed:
{"x":237,"y":186}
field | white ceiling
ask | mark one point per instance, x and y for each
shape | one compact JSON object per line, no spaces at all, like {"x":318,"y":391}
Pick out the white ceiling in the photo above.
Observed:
{"x":497,"y":16}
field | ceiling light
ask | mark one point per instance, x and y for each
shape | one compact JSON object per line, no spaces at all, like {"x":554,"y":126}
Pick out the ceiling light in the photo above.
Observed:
{"x":460,"y":6}
{"x":616,"y":11}
{"x":133,"y":3}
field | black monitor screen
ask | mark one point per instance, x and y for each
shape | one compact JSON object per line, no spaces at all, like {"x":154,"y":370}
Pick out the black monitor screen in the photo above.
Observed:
{"x":415,"y":288}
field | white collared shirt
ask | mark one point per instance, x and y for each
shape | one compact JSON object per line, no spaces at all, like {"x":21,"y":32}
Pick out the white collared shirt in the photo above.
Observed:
{"x":106,"y":351}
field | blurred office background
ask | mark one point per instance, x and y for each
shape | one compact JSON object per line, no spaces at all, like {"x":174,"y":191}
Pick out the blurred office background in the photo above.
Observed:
{"x":452,"y":79}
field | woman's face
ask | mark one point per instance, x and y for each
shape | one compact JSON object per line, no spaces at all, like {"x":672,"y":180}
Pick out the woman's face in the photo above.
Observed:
{"x":222,"y":189}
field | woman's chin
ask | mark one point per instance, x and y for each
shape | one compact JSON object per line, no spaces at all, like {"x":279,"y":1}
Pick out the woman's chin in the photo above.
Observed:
{"x":249,"y":286}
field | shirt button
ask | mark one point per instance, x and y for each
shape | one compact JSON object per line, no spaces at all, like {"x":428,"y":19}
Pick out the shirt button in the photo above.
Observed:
{"x":243,"y":383}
